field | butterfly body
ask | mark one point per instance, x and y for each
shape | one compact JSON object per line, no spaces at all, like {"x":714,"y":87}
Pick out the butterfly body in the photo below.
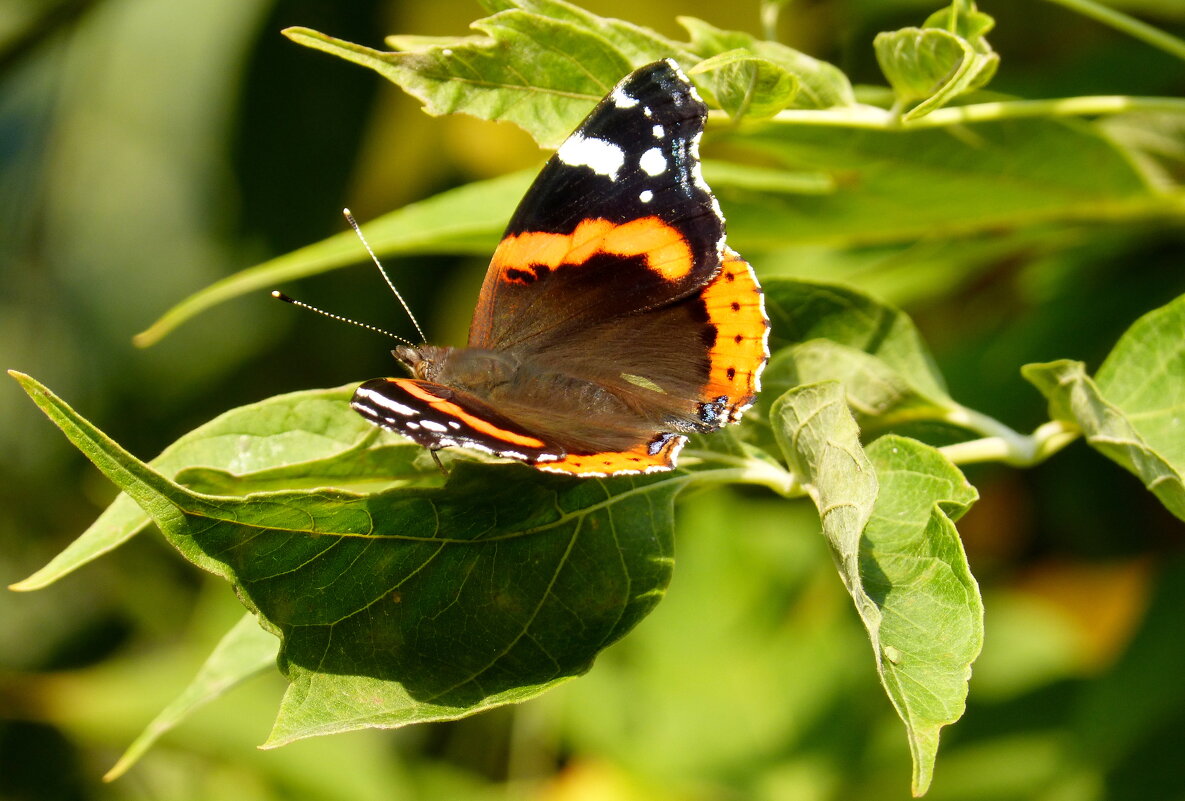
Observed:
{"x":613,"y":320}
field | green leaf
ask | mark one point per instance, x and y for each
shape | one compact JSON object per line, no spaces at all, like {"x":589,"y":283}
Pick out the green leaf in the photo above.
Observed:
{"x":541,"y":64}
{"x":888,"y":516}
{"x":946,"y":58}
{"x":466,"y":220}
{"x":879,"y":396}
{"x":541,"y":74}
{"x":746,"y":85}
{"x":821,"y":443}
{"x":301,"y":430}
{"x":819,"y":84}
{"x":963,"y":19}
{"x":1133,"y":410}
{"x":904,"y":185}
{"x":372,"y":463}
{"x":638,"y":44}
{"x":812,"y":324}
{"x":245,"y":651}
{"x":914,"y":568}
{"x":438,"y":601}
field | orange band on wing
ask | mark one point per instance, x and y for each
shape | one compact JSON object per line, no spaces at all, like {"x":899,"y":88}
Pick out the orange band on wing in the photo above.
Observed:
{"x":616,"y":463}
{"x":734,"y":303}
{"x":453,"y":410}
{"x":666,"y":251}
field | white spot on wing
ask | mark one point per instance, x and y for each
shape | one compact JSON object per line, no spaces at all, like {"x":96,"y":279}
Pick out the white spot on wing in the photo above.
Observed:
{"x":697,"y":173}
{"x":621,"y":99}
{"x":646,"y":196}
{"x":432,"y":425}
{"x":383,"y":402}
{"x":653,"y":162}
{"x":658,"y":132}
{"x":603,"y":158}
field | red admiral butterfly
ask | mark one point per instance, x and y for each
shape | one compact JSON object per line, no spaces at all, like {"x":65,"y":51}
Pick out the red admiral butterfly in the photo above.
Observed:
{"x":613,"y":319}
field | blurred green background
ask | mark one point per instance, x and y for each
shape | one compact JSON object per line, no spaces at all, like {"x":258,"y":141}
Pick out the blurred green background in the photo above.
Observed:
{"x":150,"y":147}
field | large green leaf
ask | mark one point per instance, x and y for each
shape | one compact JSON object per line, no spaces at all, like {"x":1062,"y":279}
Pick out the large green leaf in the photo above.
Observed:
{"x":888,"y":516}
{"x":300,"y":429}
{"x":541,"y":64}
{"x":418,"y":604}
{"x":901,"y":185}
{"x":1132,"y":410}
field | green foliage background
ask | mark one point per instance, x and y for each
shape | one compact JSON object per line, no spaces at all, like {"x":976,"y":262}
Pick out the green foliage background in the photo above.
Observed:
{"x":149,"y":148}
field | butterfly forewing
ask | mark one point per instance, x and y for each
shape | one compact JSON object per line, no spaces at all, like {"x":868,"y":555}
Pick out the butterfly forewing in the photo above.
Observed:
{"x":622,"y":197}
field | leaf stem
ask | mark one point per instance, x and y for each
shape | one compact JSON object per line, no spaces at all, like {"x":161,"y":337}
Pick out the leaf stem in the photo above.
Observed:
{"x":1130,"y":25}
{"x":1087,"y":105}
{"x":748,"y":471}
{"x":874,"y":117}
{"x":1004,"y":444}
{"x":771,"y":10}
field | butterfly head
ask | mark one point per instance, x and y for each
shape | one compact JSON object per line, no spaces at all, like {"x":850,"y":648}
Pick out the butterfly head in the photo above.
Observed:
{"x":424,"y":362}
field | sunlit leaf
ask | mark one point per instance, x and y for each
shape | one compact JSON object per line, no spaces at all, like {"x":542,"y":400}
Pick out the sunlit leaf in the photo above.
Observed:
{"x":826,"y":332}
{"x":541,"y":64}
{"x":818,"y":84}
{"x":748,"y":86}
{"x":1133,"y":411}
{"x":888,"y":517}
{"x":936,"y":63}
{"x":821,"y":443}
{"x":301,"y":429}
{"x":913,"y":567}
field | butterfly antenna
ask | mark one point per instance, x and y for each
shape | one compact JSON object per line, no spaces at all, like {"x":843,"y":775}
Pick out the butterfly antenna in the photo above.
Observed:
{"x":281,"y":296}
{"x":358,"y":230}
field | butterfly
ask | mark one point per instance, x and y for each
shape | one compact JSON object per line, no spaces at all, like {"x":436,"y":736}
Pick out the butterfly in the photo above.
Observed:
{"x":613,"y":320}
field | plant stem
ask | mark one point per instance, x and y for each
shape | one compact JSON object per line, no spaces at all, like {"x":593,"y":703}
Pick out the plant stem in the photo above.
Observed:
{"x":771,"y":10}
{"x":1129,"y":25}
{"x":862,"y":116}
{"x":1007,"y":445}
{"x":748,"y":471}
{"x":1087,"y":105}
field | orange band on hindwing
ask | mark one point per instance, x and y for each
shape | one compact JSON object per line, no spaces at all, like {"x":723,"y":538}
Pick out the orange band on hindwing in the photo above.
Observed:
{"x":639,"y":459}
{"x":664,"y":248}
{"x":736,"y":307}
